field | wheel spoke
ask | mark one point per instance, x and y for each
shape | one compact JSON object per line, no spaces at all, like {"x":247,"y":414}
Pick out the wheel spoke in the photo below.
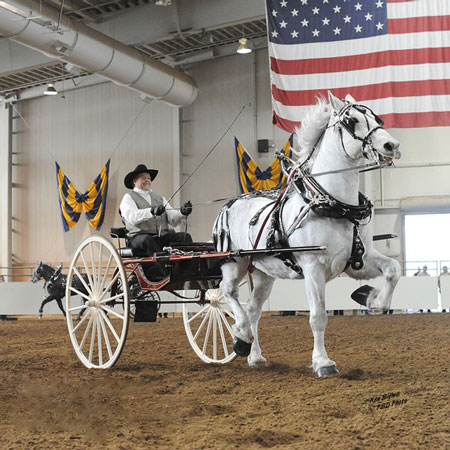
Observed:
{"x":100,"y":256}
{"x":76,"y":308}
{"x":225,"y":321}
{"x":99,"y":337}
{"x":222,"y":334}
{"x":200,"y":328}
{"x":108,"y":322}
{"x":105,"y":336}
{"x":197,"y":314}
{"x":82,"y":320}
{"x":79,"y":293}
{"x":111,"y":311}
{"x":86,"y":332}
{"x":215,"y":318}
{"x":109,"y":285}
{"x":208,"y":331}
{"x":91,"y":348}
{"x":86,"y":269}
{"x":110,"y":299}
{"x":105,"y":275}
{"x":82,"y":280}
{"x":94,"y":276}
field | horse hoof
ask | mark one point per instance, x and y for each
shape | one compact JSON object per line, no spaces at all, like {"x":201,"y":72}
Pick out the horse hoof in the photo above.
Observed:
{"x":39,"y":316}
{"x":259,"y":361}
{"x":361,"y":294}
{"x":241,"y":347}
{"x":327,"y":371}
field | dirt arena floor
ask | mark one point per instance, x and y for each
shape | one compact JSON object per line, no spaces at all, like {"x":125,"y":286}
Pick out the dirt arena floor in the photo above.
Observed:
{"x":393,"y":390}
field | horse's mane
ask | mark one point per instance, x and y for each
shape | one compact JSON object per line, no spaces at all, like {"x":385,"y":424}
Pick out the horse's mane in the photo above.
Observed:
{"x":313,"y":124}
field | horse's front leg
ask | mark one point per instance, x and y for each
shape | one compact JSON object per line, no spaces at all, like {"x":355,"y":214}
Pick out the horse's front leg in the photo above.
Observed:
{"x":44,"y":302}
{"x":376,"y":264}
{"x":315,"y":291}
{"x":232,"y":274}
{"x":261,"y":291}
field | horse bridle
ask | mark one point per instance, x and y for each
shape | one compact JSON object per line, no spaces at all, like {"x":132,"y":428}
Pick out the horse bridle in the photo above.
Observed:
{"x":366,"y":140}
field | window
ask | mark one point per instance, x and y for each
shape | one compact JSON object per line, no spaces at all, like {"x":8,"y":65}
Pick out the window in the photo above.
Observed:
{"x":427,"y":242}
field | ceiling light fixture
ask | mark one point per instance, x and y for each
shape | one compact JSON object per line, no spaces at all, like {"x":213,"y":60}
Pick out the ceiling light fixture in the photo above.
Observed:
{"x":163,"y":2}
{"x":243,"y":47}
{"x":50,"y":90}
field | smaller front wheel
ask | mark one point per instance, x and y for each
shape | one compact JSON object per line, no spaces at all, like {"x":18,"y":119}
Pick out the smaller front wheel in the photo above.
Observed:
{"x":208,"y":328}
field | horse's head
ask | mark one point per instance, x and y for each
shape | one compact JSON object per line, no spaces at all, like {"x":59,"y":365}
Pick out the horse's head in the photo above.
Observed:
{"x":361,"y":131}
{"x":38,"y":272}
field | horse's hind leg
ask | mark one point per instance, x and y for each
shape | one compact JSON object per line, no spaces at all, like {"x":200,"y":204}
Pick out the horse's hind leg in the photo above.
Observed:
{"x":60,"y":305}
{"x":232,"y":274}
{"x":315,"y":291}
{"x":376,"y":264}
{"x":262,"y":287}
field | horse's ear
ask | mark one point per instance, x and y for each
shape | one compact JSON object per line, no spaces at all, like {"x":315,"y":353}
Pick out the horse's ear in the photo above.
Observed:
{"x":336,"y":104}
{"x":349,"y":99}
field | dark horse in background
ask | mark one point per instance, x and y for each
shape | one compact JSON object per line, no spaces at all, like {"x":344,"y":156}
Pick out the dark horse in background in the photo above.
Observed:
{"x":55,"y":284}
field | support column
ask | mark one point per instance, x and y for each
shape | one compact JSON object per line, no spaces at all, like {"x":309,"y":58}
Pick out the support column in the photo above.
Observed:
{"x":6,"y":186}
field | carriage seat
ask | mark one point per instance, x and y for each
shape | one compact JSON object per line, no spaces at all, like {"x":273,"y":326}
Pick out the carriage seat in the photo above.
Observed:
{"x":121,"y":233}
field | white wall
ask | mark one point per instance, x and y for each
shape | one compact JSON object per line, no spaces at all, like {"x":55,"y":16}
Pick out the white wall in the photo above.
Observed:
{"x":81,"y":133}
{"x":287,"y":295}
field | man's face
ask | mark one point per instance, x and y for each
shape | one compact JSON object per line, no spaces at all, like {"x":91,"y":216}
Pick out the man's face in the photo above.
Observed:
{"x":143,"y":181}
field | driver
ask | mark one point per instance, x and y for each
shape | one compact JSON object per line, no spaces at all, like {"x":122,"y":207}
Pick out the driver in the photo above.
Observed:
{"x":147,"y":215}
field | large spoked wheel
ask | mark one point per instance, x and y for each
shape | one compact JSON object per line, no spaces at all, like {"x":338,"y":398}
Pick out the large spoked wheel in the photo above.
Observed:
{"x":209,"y":328}
{"x":97,"y":283}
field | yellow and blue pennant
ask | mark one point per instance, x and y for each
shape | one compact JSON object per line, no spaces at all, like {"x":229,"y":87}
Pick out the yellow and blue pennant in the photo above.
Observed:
{"x":252,"y":178}
{"x":92,"y":202}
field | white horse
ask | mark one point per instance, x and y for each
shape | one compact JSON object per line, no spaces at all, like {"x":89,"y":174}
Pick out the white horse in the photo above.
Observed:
{"x":341,"y":135}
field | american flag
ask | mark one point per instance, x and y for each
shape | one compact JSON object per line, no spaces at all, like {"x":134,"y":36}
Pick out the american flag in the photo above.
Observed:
{"x":391,"y":55}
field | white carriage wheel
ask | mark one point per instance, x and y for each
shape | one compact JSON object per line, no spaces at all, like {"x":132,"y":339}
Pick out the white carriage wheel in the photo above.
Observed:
{"x":209,"y":327}
{"x":102,"y":290}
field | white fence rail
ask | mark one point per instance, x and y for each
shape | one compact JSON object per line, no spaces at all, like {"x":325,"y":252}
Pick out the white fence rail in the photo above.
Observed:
{"x":24,"y":298}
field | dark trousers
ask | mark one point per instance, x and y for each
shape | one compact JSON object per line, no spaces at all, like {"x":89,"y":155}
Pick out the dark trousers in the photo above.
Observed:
{"x":147,"y":244}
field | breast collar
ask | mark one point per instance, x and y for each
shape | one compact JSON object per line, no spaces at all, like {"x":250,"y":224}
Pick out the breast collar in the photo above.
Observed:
{"x":325,"y":205}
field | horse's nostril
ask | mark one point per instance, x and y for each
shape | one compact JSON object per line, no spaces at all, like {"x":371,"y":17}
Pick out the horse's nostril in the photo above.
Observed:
{"x":389,"y":146}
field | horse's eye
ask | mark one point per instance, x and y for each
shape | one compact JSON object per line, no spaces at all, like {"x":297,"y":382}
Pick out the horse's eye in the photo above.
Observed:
{"x":379,"y":121}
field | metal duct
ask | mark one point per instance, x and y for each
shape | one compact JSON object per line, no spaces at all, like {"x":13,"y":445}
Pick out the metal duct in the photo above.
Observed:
{"x":97,"y":53}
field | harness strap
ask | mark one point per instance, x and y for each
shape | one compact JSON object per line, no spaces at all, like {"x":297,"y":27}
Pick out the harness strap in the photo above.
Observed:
{"x":358,"y":250}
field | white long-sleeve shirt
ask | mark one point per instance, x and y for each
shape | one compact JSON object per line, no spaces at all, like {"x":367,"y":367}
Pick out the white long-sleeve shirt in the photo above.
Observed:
{"x":135,"y":216}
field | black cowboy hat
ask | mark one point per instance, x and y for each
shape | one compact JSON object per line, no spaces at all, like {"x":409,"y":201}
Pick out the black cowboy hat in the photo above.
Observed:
{"x":141,"y":168}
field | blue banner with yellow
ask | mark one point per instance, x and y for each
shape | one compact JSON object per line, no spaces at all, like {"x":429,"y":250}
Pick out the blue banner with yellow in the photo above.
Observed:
{"x":252,"y":178}
{"x":92,"y":202}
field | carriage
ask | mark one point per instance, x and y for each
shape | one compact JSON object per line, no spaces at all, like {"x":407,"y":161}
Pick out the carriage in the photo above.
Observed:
{"x":335,"y":139}
{"x":111,"y":286}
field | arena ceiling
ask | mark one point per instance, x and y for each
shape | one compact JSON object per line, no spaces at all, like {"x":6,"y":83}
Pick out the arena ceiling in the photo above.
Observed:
{"x":176,"y":32}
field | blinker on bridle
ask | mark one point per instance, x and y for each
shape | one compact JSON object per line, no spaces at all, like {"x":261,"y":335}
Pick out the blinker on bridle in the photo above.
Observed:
{"x":349,"y":125}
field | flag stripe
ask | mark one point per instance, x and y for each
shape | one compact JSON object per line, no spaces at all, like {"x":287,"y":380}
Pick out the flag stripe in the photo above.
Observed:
{"x":381,"y":106}
{"x":366,"y":61}
{"x":406,"y":120}
{"x":413,"y":72}
{"x":386,"y":42}
{"x":365,"y":92}
{"x":419,"y":24}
